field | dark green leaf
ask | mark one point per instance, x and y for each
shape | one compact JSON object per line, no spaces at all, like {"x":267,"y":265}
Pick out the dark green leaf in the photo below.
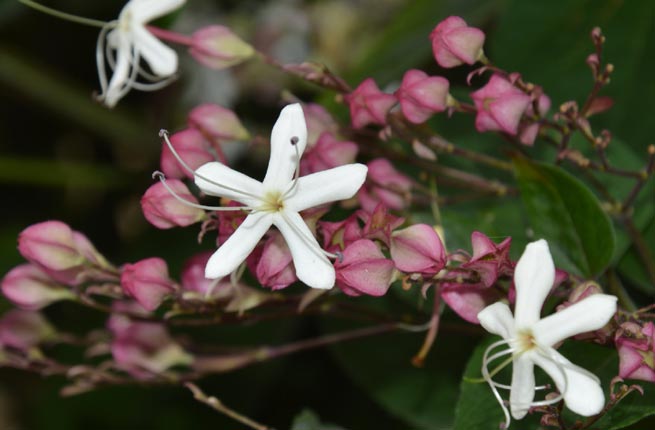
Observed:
{"x":308,"y":420}
{"x":563,"y":211}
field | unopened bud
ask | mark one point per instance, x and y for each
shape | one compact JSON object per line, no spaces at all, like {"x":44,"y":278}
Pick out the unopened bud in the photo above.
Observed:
{"x":164,"y":210}
{"x":217,"y":47}
{"x":455,"y":43}
{"x":421,"y":95}
{"x":217,"y":122}
{"x":148,"y":282}
{"x":29,"y":287}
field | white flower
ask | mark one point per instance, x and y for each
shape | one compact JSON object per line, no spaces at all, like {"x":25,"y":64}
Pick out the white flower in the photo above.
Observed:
{"x":531,"y":339}
{"x":277,"y":200}
{"x":127,"y":42}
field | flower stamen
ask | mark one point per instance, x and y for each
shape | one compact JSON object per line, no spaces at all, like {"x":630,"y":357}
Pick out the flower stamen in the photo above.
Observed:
{"x":63,"y":15}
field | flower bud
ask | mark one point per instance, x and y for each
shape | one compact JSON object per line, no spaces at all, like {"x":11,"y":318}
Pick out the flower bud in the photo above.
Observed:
{"x":528,"y":131}
{"x":328,"y":152}
{"x":384,"y":184}
{"x":192,"y":147}
{"x":24,"y":329}
{"x":369,"y":105}
{"x":29,"y":287}
{"x":275,"y":267}
{"x":500,"y":106}
{"x":379,"y":224}
{"x":636,"y":345}
{"x":455,"y":43}
{"x":364,"y":270}
{"x":163,"y":210}
{"x":193,"y":274}
{"x":418,"y":249}
{"x":148,"y":282}
{"x":217,"y":122}
{"x":218,"y":48}
{"x":421,"y":95}
{"x":338,"y":235}
{"x":144,"y":349}
{"x":51,"y":245}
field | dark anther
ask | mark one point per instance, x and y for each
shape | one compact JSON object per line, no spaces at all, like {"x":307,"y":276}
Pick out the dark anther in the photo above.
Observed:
{"x":294,"y":140}
{"x":339,"y":256}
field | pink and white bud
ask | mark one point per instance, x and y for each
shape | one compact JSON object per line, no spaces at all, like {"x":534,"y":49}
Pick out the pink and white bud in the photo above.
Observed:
{"x":455,"y":43}
{"x":636,"y":345}
{"x":328,"y":152}
{"x":275,"y":267}
{"x":29,"y":287}
{"x":369,"y":105}
{"x":163,"y":210}
{"x":192,"y":147}
{"x":364,"y":270}
{"x":500,"y":106}
{"x":421,"y":96}
{"x":148,"y":282}
{"x":386,"y":185}
{"x":318,"y":121}
{"x":24,"y":330}
{"x":144,"y":349}
{"x":217,"y":122}
{"x":418,"y":249}
{"x":51,"y":245}
{"x":217,"y":47}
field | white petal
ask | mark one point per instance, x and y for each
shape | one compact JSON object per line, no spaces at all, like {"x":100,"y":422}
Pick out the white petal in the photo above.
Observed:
{"x":327,"y":186}
{"x":588,"y":314}
{"x":312,"y":266}
{"x":146,"y":10}
{"x":284,"y":158}
{"x":497,"y":319}
{"x":119,"y":79}
{"x":238,"y":246}
{"x":582,"y":392}
{"x":522,"y":394}
{"x":216,"y":179}
{"x":533,"y":278}
{"x":161,"y":58}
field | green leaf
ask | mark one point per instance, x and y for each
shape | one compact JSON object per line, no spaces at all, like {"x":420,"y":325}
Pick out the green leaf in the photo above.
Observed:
{"x":562,"y":210}
{"x":308,"y":420}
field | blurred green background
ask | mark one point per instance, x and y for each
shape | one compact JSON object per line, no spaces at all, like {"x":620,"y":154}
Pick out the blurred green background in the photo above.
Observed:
{"x":63,"y":156}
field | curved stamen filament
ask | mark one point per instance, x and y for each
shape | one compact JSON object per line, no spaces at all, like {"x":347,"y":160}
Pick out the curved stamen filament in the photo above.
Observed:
{"x":162,"y":178}
{"x":294,"y":143}
{"x":100,"y":59}
{"x":311,"y":243}
{"x":63,"y":15}
{"x":164,"y":134}
{"x":486,"y":360}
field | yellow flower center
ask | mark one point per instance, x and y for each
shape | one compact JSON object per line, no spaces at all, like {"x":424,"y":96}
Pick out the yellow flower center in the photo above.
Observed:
{"x":525,"y":341}
{"x":272,"y":202}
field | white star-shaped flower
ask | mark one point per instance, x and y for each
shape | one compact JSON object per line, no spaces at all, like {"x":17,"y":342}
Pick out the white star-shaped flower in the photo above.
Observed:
{"x":531,"y":338}
{"x":124,"y":42}
{"x":277,"y":200}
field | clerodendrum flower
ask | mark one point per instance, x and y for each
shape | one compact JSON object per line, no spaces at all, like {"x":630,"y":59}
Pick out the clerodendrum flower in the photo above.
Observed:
{"x":530,"y":339}
{"x":124,"y":42}
{"x":277,"y":201}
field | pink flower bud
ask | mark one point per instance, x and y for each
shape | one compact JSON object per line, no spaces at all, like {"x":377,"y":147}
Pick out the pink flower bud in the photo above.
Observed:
{"x":636,"y":345}
{"x":455,"y":43}
{"x":338,"y":235}
{"x":29,"y":287}
{"x":529,"y":130}
{"x":468,"y":300}
{"x":379,"y":224}
{"x":418,"y":249}
{"x":24,"y":329}
{"x":369,"y":105}
{"x":384,"y":184}
{"x":217,"y":122}
{"x":51,"y":245}
{"x":192,"y":147}
{"x":421,"y":95}
{"x":148,"y":282}
{"x":500,"y":106}
{"x":364,"y":270}
{"x":318,"y":121}
{"x":328,"y":152}
{"x":164,"y":210}
{"x":144,"y":349}
{"x":218,"y":48}
{"x":193,"y":274}
{"x":489,"y":260}
{"x":275,"y":266}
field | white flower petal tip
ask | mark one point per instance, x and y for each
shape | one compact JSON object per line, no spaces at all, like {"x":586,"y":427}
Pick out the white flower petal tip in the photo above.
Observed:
{"x":529,"y":339}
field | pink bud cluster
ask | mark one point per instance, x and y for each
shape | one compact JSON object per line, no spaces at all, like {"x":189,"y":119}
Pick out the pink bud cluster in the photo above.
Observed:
{"x":636,"y":346}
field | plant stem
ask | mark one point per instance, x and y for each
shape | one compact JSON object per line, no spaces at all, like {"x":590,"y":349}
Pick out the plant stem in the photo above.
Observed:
{"x":218,"y":406}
